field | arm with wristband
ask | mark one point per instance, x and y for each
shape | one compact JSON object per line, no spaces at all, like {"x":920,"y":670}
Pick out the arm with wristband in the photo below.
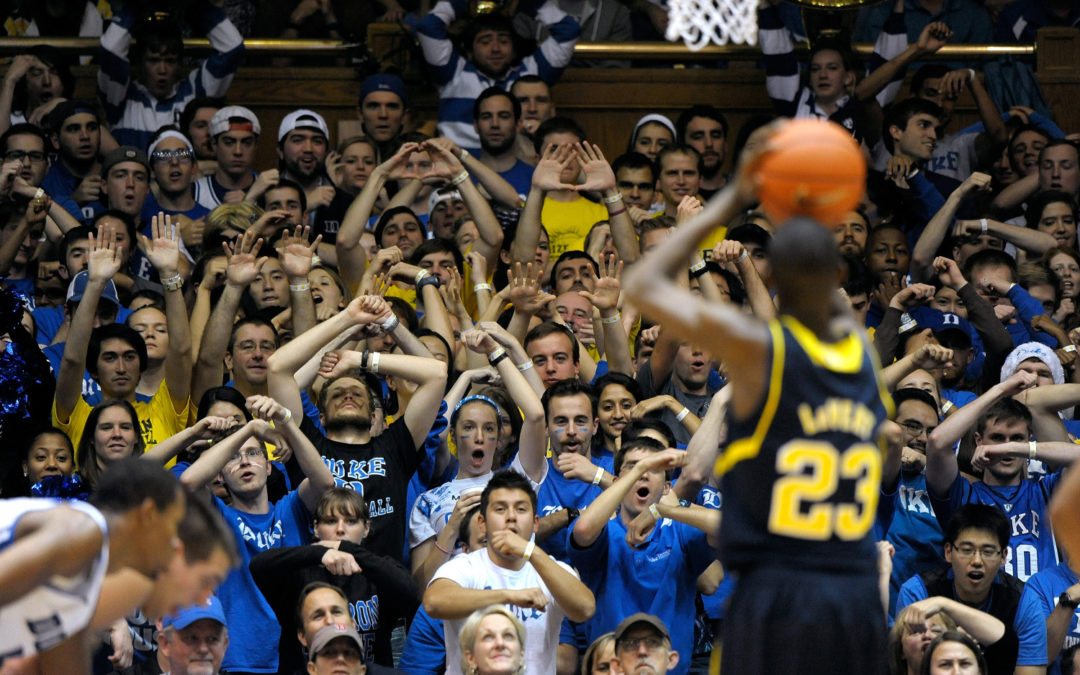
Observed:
{"x":164,"y":253}
{"x":296,"y":259}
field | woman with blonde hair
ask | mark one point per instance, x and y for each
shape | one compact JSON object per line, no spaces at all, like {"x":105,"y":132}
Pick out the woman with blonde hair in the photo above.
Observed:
{"x":492,"y":643}
{"x":926,"y":620}
{"x":597,"y":659}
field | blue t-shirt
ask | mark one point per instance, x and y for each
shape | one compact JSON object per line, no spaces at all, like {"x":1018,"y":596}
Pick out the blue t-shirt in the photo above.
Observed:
{"x":151,"y":208}
{"x":658,"y":578}
{"x":253,"y":628}
{"x":425,"y":646}
{"x":1029,"y":624}
{"x":49,"y":319}
{"x":1041,"y":593}
{"x":1031,"y":546}
{"x":519,"y":176}
{"x":915,"y":533}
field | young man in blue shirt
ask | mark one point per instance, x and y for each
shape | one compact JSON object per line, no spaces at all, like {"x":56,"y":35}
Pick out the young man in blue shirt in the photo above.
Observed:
{"x":659,"y":577}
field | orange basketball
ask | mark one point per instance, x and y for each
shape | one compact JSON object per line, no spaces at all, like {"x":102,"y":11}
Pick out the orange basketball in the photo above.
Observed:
{"x":811,"y":168}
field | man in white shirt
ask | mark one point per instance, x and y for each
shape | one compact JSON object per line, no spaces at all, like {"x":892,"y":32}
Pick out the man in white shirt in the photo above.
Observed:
{"x":509,"y":570}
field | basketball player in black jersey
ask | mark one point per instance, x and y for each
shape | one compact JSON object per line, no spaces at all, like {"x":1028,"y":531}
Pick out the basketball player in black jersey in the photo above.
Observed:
{"x":801,"y":470}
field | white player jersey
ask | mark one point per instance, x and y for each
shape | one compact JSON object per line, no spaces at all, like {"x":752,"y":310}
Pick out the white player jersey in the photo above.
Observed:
{"x":56,"y":610}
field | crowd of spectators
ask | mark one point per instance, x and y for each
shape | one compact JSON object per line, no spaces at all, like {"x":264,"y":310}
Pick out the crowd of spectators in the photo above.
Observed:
{"x":402,"y":369}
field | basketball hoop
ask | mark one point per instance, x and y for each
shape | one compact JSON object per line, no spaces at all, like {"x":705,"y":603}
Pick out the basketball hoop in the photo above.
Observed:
{"x":701,"y":22}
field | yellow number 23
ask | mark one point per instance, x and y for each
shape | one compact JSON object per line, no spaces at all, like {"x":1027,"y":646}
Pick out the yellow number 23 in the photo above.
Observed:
{"x":812,"y":471}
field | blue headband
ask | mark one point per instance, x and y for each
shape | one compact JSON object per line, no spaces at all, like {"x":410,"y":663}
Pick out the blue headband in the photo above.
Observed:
{"x":473,"y":399}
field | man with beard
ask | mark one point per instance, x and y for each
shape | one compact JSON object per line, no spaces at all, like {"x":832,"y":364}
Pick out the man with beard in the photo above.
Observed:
{"x":512,"y":570}
{"x":137,"y":107}
{"x":976,"y":539}
{"x":704,"y":128}
{"x":493,"y":56}
{"x":496,"y":116}
{"x":1003,"y":448}
{"x":571,"y":478}
{"x":383,"y":109}
{"x":76,"y":135}
{"x":378,"y":466}
{"x":303,"y":141}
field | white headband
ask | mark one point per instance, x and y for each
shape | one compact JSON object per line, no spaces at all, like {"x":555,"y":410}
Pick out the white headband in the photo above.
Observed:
{"x":170,"y":134}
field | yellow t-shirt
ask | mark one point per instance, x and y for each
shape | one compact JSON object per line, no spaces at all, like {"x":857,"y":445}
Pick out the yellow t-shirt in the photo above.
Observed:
{"x":158,"y":418}
{"x":568,"y":223}
{"x":712,"y":240}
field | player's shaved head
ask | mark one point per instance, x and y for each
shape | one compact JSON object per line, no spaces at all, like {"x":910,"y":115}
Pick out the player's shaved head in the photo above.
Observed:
{"x":804,"y":250}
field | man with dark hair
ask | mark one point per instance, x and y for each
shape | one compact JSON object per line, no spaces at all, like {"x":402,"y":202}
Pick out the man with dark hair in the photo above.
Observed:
{"x":1003,"y":440}
{"x":75,"y":132}
{"x":537,"y":105}
{"x":234,"y":134}
{"x":173,"y":161}
{"x":137,"y":107}
{"x":976,"y":541}
{"x":54,"y":558}
{"x":635,"y":177}
{"x":994,"y":274}
{"x":116,"y":355}
{"x":497,"y":116}
{"x":383,"y":107}
{"x":554,"y":351}
{"x":704,"y":128}
{"x":492,"y":53}
{"x":303,"y":141}
{"x":194,"y":123}
{"x":510,"y":570}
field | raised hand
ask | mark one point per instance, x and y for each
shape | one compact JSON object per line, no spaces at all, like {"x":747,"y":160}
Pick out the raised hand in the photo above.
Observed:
{"x":396,"y":167}
{"x":976,"y":181}
{"x":296,"y":252}
{"x":689,"y":206}
{"x":446,"y":151}
{"x":949,"y":272}
{"x":507,"y":543}
{"x":88,"y":190}
{"x":547,"y":175}
{"x":930,"y":356}
{"x":1018,"y":382}
{"x":525,"y":293}
{"x":269,"y":222}
{"x":244,"y":266}
{"x":267,"y":408}
{"x":163,"y":248}
{"x":334,"y":167}
{"x":575,"y":466}
{"x":898,"y":169}
{"x":651,"y":405}
{"x":339,"y":362}
{"x":606,"y":293}
{"x":367,"y":309}
{"x":913,"y":295}
{"x":477,"y":267}
{"x":727,"y":251}
{"x":105,"y":258}
{"x":385,"y":259}
{"x":320,"y":196}
{"x":499,"y":334}
{"x":954,"y":82}
{"x":933,"y":37}
{"x":479,"y":341}
{"x":598,"y":174}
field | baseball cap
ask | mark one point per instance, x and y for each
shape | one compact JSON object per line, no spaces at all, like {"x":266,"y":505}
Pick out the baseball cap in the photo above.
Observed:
{"x":222,"y":120}
{"x":384,"y":82}
{"x":68,"y":108}
{"x":641,"y":617}
{"x":77,"y":288}
{"x":944,"y":324}
{"x":302,"y":119}
{"x":750,"y":233}
{"x":212,"y":609}
{"x":328,"y":634}
{"x":125,"y":153}
{"x":439,"y":196}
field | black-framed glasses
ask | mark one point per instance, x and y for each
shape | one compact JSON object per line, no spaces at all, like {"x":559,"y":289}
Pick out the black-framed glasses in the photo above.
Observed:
{"x":167,"y":156}
{"x":969,"y":551}
{"x":917,"y":428}
{"x":20,"y":155}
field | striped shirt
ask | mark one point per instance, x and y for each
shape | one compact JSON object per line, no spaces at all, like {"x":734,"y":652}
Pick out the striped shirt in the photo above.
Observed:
{"x":460,"y":82}
{"x":132,"y":111}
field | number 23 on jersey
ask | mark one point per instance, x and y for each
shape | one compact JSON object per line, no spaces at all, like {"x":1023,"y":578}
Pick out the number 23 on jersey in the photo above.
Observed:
{"x":804,"y":501}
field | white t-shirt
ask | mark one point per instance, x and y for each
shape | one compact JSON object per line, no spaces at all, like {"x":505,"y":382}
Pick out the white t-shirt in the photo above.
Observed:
{"x":476,"y":571}
{"x":432,"y":509}
{"x":62,"y":606}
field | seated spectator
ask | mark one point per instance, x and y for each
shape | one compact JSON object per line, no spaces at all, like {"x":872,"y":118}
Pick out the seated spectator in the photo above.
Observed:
{"x":137,"y":107}
{"x":75,"y":178}
{"x":384,"y":112}
{"x":31,"y":81}
{"x":651,"y":134}
{"x":193,"y":639}
{"x":336,"y":649}
{"x":492,"y":641}
{"x":642,"y":641}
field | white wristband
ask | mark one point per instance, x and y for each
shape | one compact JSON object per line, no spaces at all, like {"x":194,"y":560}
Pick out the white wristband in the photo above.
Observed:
{"x":654,"y":511}
{"x":1033,"y":449}
{"x":482,"y":287}
{"x":682,"y":414}
{"x":288,"y":416}
{"x":529,"y":548}
{"x":983,"y":225}
{"x":525,"y":366}
{"x":599,"y":475}
{"x":373,"y":364}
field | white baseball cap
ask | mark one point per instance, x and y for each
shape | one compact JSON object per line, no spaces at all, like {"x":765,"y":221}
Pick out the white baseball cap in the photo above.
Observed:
{"x":302,"y":119}
{"x":220,"y":123}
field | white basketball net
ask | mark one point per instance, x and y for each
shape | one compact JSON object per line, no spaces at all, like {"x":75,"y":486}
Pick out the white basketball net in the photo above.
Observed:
{"x":700,"y":22}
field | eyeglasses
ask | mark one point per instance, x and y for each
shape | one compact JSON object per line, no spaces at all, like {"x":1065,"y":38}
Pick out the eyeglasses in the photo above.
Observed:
{"x":20,"y":155}
{"x":969,"y":551}
{"x":249,"y":346}
{"x":651,"y":642}
{"x":253,"y":455}
{"x":917,"y":428}
{"x":166,"y":156}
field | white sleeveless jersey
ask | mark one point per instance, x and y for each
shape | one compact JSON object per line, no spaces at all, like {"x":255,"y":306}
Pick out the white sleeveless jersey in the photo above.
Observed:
{"x":62,"y":606}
